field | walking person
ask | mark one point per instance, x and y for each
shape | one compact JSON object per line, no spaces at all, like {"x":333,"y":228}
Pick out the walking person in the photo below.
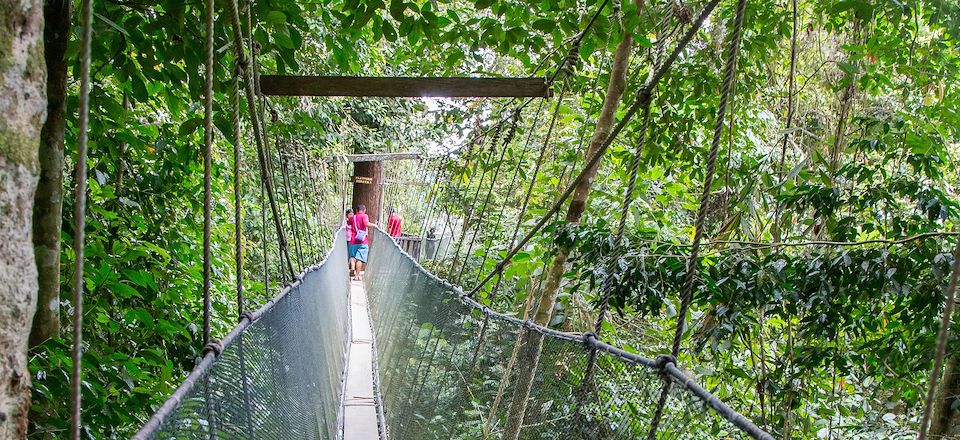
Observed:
{"x":351,"y":233}
{"x":360,"y":245}
{"x":394,"y":223}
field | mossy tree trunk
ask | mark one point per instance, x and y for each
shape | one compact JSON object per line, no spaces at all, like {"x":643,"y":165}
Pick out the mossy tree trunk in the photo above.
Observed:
{"x":48,"y":199}
{"x":22,"y":111}
{"x":946,"y":417}
{"x":531,"y":343}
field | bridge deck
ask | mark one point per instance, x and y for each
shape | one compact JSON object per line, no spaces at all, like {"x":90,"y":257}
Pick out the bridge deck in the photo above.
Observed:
{"x":360,"y":414}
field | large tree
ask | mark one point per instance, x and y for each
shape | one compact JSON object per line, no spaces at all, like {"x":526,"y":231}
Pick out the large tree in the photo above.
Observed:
{"x":22,"y":112}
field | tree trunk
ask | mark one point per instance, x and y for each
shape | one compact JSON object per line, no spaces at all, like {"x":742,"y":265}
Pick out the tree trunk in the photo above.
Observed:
{"x":49,"y":196}
{"x":22,"y":111}
{"x":366,"y":187}
{"x":946,"y":419}
{"x":532,"y":342}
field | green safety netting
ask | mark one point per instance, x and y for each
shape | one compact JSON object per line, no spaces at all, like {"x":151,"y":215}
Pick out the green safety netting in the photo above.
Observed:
{"x":444,"y":368}
{"x":280,"y":374}
{"x":442,"y":375}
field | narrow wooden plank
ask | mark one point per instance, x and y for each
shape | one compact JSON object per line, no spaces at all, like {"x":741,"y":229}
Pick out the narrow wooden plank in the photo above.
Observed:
{"x":359,"y":409}
{"x":403,"y":87}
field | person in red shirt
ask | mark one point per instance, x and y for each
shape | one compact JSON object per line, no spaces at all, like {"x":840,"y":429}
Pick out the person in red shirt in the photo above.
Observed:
{"x":360,"y":245}
{"x":394,"y":223}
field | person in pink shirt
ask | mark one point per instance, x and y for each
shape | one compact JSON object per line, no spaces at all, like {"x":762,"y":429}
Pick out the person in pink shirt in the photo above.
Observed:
{"x":394,"y":223}
{"x":348,"y":229}
{"x":360,"y":244}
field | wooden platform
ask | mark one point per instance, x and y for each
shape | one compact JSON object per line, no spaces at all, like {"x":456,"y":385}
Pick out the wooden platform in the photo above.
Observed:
{"x":360,"y":414}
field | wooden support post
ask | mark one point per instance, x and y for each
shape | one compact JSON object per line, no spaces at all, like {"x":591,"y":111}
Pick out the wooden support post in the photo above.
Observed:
{"x":367,"y":177}
{"x":404,"y":87}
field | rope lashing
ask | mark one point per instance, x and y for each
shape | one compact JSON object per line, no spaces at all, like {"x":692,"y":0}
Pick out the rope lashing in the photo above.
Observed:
{"x":511,"y":188}
{"x":573,"y":55}
{"x":692,"y":262}
{"x":79,"y":218}
{"x":658,"y":73}
{"x":248,"y":315}
{"x":214,"y":346}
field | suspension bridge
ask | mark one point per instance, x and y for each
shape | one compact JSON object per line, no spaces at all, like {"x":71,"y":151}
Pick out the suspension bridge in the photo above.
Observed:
{"x":406,"y":354}
{"x":409,"y":358}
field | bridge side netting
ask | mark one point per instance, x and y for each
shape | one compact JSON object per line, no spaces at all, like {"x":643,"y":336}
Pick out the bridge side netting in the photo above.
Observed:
{"x":433,"y":387}
{"x":278,"y":378}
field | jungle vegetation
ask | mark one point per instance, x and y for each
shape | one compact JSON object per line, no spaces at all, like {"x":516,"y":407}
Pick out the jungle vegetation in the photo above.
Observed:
{"x":829,"y":237}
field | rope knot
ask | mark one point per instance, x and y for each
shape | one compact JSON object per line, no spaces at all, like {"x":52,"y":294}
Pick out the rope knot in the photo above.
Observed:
{"x":572,"y":60}
{"x":240,"y":67}
{"x":214,"y":346}
{"x":661,"y":361}
{"x":248,"y":315}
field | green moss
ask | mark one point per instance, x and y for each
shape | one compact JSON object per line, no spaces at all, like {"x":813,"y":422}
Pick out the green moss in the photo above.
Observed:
{"x":19,"y":147}
{"x":7,"y":18}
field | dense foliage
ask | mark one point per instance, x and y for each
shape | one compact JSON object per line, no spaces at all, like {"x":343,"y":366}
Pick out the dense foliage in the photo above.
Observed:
{"x":859,"y":141}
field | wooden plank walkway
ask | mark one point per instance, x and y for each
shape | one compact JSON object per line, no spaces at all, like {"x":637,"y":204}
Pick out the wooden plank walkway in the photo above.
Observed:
{"x":360,"y":413}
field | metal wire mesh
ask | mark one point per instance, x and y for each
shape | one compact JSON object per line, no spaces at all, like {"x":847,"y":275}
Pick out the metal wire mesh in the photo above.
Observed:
{"x":444,"y":376}
{"x":280,"y":377}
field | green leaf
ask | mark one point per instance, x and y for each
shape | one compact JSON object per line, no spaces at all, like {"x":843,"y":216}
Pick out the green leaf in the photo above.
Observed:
{"x":544,"y":25}
{"x":124,"y":290}
{"x":275,"y":18}
{"x":397,"y":7}
{"x":189,"y":126}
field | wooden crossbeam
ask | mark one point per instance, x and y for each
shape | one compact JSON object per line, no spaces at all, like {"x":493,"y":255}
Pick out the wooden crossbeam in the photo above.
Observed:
{"x":378,"y":157}
{"x":403,"y":87}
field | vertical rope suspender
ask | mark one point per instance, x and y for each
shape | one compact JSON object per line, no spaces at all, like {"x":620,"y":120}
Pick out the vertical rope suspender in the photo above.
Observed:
{"x":207,"y":163}
{"x":79,"y":218}
{"x":687,"y":293}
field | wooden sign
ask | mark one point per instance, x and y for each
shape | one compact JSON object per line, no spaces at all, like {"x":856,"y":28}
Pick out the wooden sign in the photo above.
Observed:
{"x":363,"y":180}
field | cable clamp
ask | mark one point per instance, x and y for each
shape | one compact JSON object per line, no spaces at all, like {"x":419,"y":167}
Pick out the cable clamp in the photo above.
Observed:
{"x":248,"y":315}
{"x":214,"y":346}
{"x":590,"y":339}
{"x":661,"y":361}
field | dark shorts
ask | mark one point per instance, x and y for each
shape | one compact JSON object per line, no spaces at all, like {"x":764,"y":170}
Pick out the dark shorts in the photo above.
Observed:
{"x":358,"y":251}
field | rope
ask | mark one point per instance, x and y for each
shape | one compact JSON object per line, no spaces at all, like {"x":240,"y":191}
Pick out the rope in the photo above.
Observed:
{"x":290,"y":202}
{"x":573,"y":55}
{"x":79,"y":218}
{"x":943,"y":335}
{"x":511,"y":187}
{"x":647,"y":89}
{"x":692,"y":262}
{"x":511,"y":132}
{"x":628,"y":198}
{"x":207,"y":162}
{"x":237,"y":211}
{"x":258,"y":134}
{"x":469,"y":214}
